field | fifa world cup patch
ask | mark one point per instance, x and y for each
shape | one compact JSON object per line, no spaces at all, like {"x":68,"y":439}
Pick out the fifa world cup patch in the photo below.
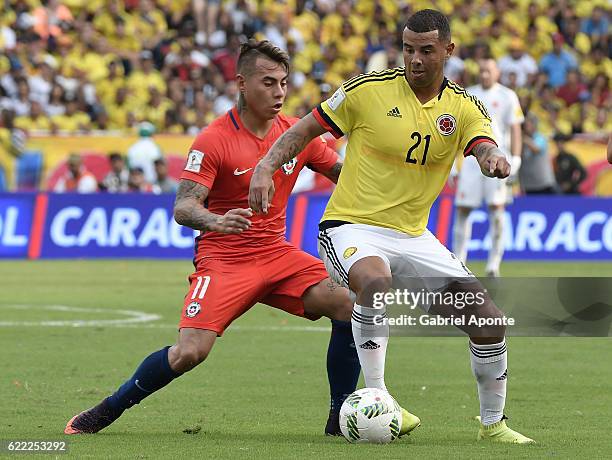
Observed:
{"x":194,"y":161}
{"x":446,"y":124}
{"x":337,"y":99}
{"x":192,"y":309}
{"x":348,"y":252}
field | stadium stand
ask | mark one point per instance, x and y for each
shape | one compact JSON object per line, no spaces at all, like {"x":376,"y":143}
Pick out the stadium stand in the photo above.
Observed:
{"x":90,"y":67}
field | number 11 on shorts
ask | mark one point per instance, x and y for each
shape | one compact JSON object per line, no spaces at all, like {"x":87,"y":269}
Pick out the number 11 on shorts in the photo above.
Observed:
{"x":201,"y":287}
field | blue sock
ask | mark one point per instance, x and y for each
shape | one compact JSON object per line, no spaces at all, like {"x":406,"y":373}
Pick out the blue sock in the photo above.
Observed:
{"x":342,"y":363}
{"x":153,"y":373}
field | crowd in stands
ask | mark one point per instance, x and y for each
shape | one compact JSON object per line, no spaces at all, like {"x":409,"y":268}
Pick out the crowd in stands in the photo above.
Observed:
{"x":77,"y":66}
{"x":147,"y":171}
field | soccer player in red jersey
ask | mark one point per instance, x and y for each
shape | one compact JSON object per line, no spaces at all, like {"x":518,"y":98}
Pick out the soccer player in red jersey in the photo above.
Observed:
{"x":241,"y":258}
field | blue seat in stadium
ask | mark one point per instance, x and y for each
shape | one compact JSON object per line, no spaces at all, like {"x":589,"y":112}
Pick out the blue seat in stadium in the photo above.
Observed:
{"x":29,"y":171}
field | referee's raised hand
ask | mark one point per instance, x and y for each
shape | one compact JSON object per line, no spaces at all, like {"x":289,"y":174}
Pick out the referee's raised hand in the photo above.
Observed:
{"x":261,"y":189}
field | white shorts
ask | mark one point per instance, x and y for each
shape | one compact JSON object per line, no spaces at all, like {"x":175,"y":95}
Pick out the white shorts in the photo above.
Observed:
{"x":408,"y":257}
{"x":473,"y":187}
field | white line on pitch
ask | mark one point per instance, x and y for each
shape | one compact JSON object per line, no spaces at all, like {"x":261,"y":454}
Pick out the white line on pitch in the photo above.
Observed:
{"x":132,"y":319}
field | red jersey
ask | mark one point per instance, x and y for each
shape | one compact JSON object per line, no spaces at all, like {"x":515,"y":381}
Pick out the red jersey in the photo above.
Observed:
{"x":222,"y":158}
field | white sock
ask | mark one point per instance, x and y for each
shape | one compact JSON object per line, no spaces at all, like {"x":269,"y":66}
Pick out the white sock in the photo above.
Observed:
{"x":371,"y":342}
{"x":462,"y":232}
{"x":496,"y":228}
{"x":490,"y":367}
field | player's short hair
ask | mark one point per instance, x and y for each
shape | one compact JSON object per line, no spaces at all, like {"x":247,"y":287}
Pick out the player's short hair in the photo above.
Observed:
{"x":252,"y":49}
{"x":428,"y":20}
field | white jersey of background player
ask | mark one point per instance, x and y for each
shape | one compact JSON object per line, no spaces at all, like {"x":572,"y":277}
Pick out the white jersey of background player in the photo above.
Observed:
{"x":504,"y":108}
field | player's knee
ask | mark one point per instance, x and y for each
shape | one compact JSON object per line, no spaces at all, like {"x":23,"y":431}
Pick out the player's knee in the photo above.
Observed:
{"x":493,"y":327}
{"x":371,"y":288}
{"x":187,"y":356}
{"x":343,"y":309}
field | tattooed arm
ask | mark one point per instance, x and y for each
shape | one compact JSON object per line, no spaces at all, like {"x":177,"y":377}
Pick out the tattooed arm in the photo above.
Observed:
{"x":189,"y":210}
{"x":492,"y":161}
{"x":284,"y":149}
{"x":334,"y":172}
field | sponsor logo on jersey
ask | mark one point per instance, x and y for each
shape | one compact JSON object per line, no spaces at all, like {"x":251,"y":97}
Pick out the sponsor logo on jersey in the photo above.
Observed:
{"x":192,"y":309}
{"x":394,"y":112}
{"x":446,"y":124}
{"x":337,"y":99}
{"x":194,"y":161}
{"x":348,"y":252}
{"x":289,"y":166}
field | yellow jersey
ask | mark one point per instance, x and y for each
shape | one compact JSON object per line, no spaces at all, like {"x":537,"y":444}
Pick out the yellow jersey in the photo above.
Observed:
{"x":399,"y":151}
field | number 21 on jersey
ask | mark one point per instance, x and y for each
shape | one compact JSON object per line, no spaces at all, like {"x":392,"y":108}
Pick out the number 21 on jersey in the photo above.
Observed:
{"x":414,"y":151}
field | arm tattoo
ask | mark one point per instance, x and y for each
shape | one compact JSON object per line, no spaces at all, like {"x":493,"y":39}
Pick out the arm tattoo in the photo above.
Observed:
{"x":284,"y":149}
{"x":189,"y":207}
{"x":483,"y":150}
{"x":334,"y":172}
{"x":332,"y":286}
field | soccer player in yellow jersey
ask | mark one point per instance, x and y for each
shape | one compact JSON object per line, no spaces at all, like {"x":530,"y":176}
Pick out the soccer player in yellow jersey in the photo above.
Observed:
{"x":404,"y":127}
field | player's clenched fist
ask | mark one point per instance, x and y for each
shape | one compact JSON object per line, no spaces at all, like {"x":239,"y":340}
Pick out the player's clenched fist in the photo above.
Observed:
{"x":496,"y":166}
{"x":233,"y":221}
{"x":261,"y":190}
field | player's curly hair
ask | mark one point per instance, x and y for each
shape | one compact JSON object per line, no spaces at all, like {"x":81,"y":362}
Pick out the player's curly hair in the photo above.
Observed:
{"x":252,"y":49}
{"x":428,"y":20}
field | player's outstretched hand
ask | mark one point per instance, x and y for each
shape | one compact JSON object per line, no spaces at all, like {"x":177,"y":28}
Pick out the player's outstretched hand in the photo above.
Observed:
{"x":261,"y":190}
{"x":496,"y":166}
{"x":233,"y":221}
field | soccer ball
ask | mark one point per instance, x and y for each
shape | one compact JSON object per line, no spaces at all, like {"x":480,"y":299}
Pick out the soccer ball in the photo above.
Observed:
{"x":370,"y":415}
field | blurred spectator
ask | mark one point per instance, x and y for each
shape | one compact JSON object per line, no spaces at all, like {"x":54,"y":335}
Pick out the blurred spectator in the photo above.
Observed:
{"x":205,"y":12}
{"x":116,"y":181}
{"x":143,"y":153}
{"x":569,"y":172}
{"x":558,"y":62}
{"x":573,"y":90}
{"x":598,"y":124}
{"x":225,"y":59}
{"x":137,"y":182}
{"x":12,"y":145}
{"x":41,"y":83}
{"x":165,"y":183}
{"x":146,"y":76}
{"x":21,"y":103}
{"x":596,"y":63}
{"x":600,"y":91}
{"x":35,"y":121}
{"x":56,"y":106}
{"x":597,"y":26}
{"x":390,"y":56}
{"x":76,"y":179}
{"x":536,"y":175}
{"x":73,"y":119}
{"x":51,"y":19}
{"x":517,"y":62}
{"x":227,"y":100}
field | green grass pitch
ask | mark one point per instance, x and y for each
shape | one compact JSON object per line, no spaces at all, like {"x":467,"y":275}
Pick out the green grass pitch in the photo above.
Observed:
{"x":263,"y":391}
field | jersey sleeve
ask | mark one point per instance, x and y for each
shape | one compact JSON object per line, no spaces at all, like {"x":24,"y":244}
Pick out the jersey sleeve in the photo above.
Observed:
{"x":321,"y":157}
{"x":476,"y":125}
{"x":336,"y":113}
{"x":203,"y":161}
